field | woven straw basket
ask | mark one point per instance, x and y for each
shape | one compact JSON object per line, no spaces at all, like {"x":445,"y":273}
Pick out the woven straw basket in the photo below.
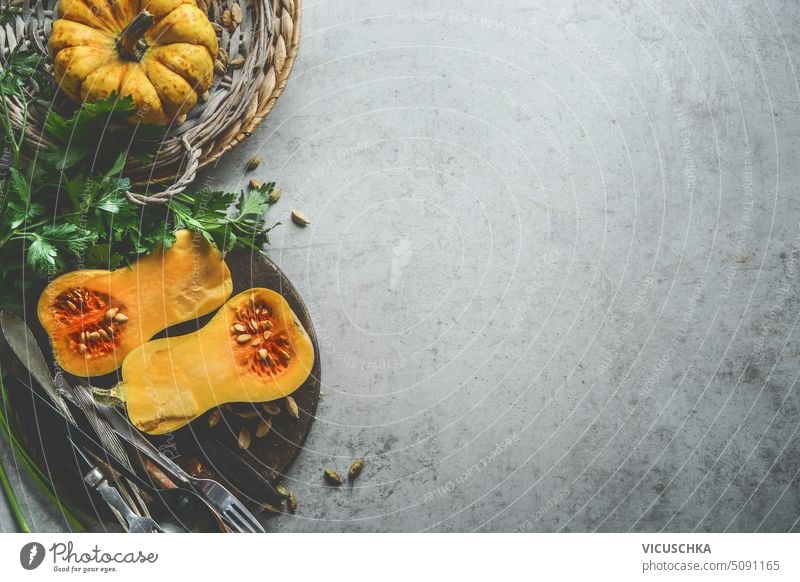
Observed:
{"x":256,"y":57}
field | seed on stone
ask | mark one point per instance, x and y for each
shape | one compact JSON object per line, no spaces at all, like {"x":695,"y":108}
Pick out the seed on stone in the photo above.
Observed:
{"x":272,"y":409}
{"x":281,"y":490}
{"x":291,"y":503}
{"x":299,"y":218}
{"x":332,"y":477}
{"x":274,"y":196}
{"x":253,"y":163}
{"x":244,"y":338}
{"x":254,"y":184}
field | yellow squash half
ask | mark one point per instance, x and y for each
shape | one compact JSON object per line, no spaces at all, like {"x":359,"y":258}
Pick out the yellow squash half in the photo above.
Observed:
{"x":253,"y":350}
{"x":159,"y":52}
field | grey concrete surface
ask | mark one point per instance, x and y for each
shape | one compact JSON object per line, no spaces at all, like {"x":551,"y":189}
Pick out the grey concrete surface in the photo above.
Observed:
{"x":553,"y":262}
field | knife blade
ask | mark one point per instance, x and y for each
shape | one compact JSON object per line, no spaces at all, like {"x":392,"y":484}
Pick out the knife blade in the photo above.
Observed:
{"x":24,"y":345}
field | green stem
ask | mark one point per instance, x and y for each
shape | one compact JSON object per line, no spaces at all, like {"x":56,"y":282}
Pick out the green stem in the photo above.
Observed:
{"x":11,"y":497}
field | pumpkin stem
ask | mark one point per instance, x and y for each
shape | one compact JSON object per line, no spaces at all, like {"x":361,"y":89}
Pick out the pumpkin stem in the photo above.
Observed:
{"x":130,"y":44}
{"x":108,"y":396}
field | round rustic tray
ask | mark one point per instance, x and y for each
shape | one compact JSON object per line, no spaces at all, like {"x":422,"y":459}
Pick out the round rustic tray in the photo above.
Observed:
{"x":267,"y":39}
{"x":270,"y":455}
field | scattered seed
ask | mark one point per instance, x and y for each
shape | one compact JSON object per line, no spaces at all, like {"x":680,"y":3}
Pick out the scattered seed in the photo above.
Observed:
{"x":244,"y":338}
{"x":239,"y":327}
{"x":281,"y":490}
{"x":247,"y":414}
{"x":291,"y":407}
{"x":253,"y":163}
{"x":254,"y":184}
{"x":355,"y":469}
{"x":214,"y":417}
{"x":291,"y":503}
{"x":244,"y":438}
{"x":263,"y":427}
{"x":332,"y":477}
{"x":271,"y":409}
{"x":275,"y":195}
{"x":111,"y":313}
{"x":299,"y":218}
{"x":82,"y":349}
{"x":120,"y":318}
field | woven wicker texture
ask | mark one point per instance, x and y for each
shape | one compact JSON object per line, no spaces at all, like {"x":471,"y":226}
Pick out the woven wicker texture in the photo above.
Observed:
{"x":256,"y":58}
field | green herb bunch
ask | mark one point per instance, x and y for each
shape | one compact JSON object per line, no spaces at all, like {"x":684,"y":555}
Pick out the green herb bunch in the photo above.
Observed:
{"x":66,"y":207}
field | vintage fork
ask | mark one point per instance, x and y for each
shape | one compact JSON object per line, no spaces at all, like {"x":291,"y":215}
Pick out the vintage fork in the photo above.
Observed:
{"x":232,"y":511}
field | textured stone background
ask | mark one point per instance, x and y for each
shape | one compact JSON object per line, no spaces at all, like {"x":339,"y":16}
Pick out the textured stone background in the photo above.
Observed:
{"x":554,"y":263}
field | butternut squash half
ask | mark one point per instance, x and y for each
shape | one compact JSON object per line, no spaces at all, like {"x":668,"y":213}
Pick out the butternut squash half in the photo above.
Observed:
{"x":95,"y":318}
{"x":253,"y":350}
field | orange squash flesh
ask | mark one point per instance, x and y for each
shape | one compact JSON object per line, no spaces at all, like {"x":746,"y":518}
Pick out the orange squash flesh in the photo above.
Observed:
{"x":253,"y":350}
{"x":95,"y":318}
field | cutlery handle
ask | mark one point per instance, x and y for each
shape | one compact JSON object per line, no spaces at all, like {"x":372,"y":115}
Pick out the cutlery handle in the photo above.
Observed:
{"x":110,"y":495}
{"x":133,"y":437}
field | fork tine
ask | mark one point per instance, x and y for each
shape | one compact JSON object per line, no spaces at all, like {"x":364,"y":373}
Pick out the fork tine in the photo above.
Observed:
{"x":247,"y":517}
{"x":236,"y":520}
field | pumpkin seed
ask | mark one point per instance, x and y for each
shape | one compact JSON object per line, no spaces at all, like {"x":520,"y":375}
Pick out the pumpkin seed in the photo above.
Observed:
{"x":236,"y":13}
{"x":291,"y":503}
{"x":219,"y":67}
{"x":120,"y":318}
{"x":281,"y":490}
{"x":247,"y":414}
{"x":267,"y":335}
{"x":244,"y":439}
{"x":83,"y":336}
{"x":111,"y":313}
{"x":275,"y":195}
{"x":253,"y":163}
{"x":291,"y":407}
{"x":263,"y":354}
{"x":82,"y":349}
{"x":332,"y":477}
{"x":254,"y":184}
{"x":263,"y":427}
{"x":271,"y":409}
{"x":103,"y":334}
{"x":244,"y":338}
{"x":239,"y":327}
{"x":254,"y":325}
{"x":355,"y":469}
{"x":94,"y":336}
{"x":214,"y":417}
{"x":256,"y":343}
{"x":72,"y":306}
{"x":299,"y":218}
{"x":285,"y":356}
